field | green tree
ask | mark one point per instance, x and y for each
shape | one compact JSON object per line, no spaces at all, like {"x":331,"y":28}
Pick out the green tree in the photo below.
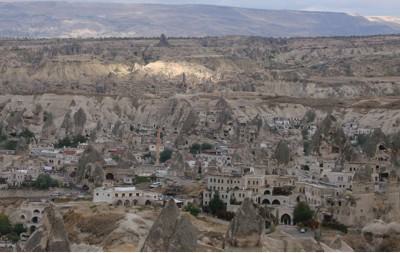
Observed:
{"x":165,"y":155}
{"x":195,"y":148}
{"x":309,"y":117}
{"x":216,"y":204}
{"x":206,"y":146}
{"x":302,"y":213}
{"x":282,"y":153}
{"x":5,"y":225}
{"x":19,"y":228}
{"x":44,"y":181}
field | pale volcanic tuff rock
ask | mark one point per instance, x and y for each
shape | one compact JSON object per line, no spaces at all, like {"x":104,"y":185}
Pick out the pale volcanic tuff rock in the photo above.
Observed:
{"x":381,"y":236}
{"x":172,"y":231}
{"x":246,"y":228}
{"x":51,"y":236}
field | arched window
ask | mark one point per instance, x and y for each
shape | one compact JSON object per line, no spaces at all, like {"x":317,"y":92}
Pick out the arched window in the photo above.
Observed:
{"x":276,"y":202}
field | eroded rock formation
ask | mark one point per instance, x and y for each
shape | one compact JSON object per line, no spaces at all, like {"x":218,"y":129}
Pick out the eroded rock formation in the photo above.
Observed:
{"x":246,"y":228}
{"x":172,"y":231}
{"x":51,"y":236}
{"x":380,"y":236}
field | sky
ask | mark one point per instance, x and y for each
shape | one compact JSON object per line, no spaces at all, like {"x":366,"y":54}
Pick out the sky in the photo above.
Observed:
{"x":359,"y":7}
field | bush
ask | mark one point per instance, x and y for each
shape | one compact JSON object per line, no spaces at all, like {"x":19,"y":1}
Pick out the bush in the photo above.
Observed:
{"x":192,"y":209}
{"x":10,"y":145}
{"x":225,"y":215}
{"x":206,"y":146}
{"x":44,"y":181}
{"x":27,"y":134}
{"x":139,"y":179}
{"x":165,"y":155}
{"x":309,"y":117}
{"x":302,"y":213}
{"x":14,"y":237}
{"x":195,"y":148}
{"x":335,"y":225}
{"x":5,"y":225}
{"x":19,"y":229}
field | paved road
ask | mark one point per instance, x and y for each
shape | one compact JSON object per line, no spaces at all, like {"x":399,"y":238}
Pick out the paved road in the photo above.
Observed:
{"x":35,"y":194}
{"x":293,"y":231}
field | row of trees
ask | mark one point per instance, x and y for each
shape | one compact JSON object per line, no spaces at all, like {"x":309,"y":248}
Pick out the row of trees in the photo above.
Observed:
{"x":71,"y":142}
{"x":197,"y":148}
{"x":43,"y":182}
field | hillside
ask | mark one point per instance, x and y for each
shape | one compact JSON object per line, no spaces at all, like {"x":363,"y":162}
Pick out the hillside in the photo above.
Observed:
{"x":74,"y":19}
{"x":308,"y":67}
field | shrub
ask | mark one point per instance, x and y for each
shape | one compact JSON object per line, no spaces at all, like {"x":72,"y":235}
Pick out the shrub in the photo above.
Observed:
{"x":309,"y":117}
{"x":206,"y":146}
{"x":192,"y":209}
{"x":225,"y":215}
{"x":5,"y":225}
{"x":140,"y":179}
{"x":335,"y":225}
{"x":19,"y":228}
{"x":165,"y":155}
{"x":11,"y":145}
{"x":195,"y":148}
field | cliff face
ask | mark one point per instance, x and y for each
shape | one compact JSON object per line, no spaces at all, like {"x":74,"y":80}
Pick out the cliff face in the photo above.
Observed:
{"x":51,"y":117}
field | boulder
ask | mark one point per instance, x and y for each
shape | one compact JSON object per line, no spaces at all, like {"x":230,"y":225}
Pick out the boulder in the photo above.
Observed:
{"x":246,"y":228}
{"x":172,"y":231}
{"x":51,"y":236}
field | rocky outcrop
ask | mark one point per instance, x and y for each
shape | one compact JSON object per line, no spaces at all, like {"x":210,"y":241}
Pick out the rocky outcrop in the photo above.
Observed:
{"x":51,"y":236}
{"x":172,"y":231}
{"x":90,"y":170}
{"x":246,"y":228}
{"x":380,"y":236}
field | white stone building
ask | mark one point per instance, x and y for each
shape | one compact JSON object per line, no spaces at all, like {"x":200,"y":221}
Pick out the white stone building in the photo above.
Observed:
{"x":126,"y":196}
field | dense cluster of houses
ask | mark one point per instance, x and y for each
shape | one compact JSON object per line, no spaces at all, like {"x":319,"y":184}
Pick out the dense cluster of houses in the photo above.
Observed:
{"x":336,"y":188}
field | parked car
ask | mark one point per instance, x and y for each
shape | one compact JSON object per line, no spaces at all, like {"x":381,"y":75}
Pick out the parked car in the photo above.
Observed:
{"x":155,"y":185}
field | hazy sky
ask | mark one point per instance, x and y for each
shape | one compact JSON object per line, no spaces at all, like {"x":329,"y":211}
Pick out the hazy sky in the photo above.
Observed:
{"x":362,"y":7}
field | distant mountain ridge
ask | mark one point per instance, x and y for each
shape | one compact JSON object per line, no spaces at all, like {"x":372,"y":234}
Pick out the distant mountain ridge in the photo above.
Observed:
{"x":90,"y":19}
